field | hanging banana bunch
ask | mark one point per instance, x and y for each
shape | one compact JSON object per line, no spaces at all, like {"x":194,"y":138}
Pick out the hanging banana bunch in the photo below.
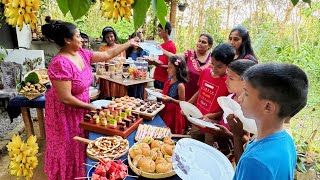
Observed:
{"x":113,"y":9}
{"x":20,"y":12}
{"x":22,"y":156}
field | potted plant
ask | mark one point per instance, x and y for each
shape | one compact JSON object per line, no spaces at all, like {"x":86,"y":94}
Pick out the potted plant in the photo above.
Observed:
{"x":307,"y":158}
{"x":182,"y":5}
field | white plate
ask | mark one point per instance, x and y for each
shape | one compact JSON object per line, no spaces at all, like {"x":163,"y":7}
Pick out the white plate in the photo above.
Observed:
{"x":190,"y":110}
{"x":156,"y":94}
{"x":99,"y":103}
{"x":202,"y":123}
{"x":151,"y":48}
{"x":193,"y":160}
{"x":230,"y":106}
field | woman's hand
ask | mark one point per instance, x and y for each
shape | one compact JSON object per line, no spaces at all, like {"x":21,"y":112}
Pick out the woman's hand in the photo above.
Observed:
{"x":235,"y":125}
{"x":91,"y":107}
{"x":166,"y":98}
{"x":133,"y":42}
{"x":157,"y":90}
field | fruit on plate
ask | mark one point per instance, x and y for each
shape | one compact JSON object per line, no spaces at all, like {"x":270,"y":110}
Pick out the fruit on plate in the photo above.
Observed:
{"x":109,"y":169}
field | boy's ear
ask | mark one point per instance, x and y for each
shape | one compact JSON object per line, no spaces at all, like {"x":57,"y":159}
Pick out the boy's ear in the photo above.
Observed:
{"x":270,"y":107}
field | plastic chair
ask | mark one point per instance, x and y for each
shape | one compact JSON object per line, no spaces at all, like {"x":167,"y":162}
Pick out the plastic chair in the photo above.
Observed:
{"x":11,"y":75}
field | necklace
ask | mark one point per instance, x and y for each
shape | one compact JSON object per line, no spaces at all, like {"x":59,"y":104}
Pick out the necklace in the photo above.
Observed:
{"x":195,"y":62}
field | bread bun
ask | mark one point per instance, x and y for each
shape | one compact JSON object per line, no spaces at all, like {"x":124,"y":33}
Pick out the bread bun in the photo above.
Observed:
{"x":160,"y":160}
{"x":134,"y":151}
{"x":168,"y":140}
{"x":155,"y":153}
{"x":147,"y":140}
{"x":156,"y":144}
{"x":145,"y":148}
{"x":136,"y":159}
{"x":167,"y":149}
{"x":163,"y":167}
{"x":146,"y":164}
{"x":168,"y":158}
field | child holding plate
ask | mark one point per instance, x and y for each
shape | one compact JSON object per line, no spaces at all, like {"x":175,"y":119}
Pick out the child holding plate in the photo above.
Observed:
{"x":174,"y":92}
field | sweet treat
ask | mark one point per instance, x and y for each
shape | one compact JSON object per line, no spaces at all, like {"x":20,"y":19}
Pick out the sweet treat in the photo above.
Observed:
{"x":138,"y":104}
{"x":149,"y":110}
{"x":134,"y":108}
{"x":112,"y":103}
{"x":142,"y":109}
{"x":157,"y":106}
{"x":134,"y":151}
{"x":147,"y":165}
{"x":163,"y":167}
{"x":117,"y":100}
{"x":160,"y":160}
{"x":142,"y":102}
{"x":167,"y":149}
{"x":93,"y":112}
{"x":155,"y":153}
{"x":119,"y":105}
{"x":96,"y":119}
{"x":156,"y":144}
{"x":146,"y":105}
{"x":132,"y":98}
{"x":168,"y":140}
{"x":127,"y":121}
{"x":87,"y":117}
{"x":122,"y":99}
{"x":154,"y":108}
{"x":107,"y":143}
{"x":126,"y":97}
{"x":104,"y":107}
{"x":147,"y":140}
{"x":136,"y":159}
{"x":122,"y":126}
{"x":160,"y":103}
{"x":168,"y":158}
{"x":98,"y":110}
{"x":145,"y":149}
{"x":104,"y":121}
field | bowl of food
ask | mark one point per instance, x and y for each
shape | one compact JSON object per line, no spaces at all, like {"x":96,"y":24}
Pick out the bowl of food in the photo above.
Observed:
{"x":152,"y":158}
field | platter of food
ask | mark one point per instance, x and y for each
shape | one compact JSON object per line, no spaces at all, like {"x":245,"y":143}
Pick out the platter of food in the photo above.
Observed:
{"x":111,"y":121}
{"x":112,"y":147}
{"x":152,"y":158}
{"x":145,"y":130}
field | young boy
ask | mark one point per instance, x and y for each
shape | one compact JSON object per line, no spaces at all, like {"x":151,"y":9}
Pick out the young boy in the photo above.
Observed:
{"x":212,"y":84}
{"x":160,"y":73}
{"x":273,"y":93}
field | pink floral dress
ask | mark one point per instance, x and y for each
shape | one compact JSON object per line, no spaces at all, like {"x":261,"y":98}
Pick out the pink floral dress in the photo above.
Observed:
{"x":64,"y":156}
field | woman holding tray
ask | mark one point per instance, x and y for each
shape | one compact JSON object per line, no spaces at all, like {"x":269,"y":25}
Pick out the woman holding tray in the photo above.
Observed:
{"x":68,"y":99}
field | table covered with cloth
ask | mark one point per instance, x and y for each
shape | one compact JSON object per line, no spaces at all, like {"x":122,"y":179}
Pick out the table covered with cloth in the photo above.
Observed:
{"x":157,"y":121}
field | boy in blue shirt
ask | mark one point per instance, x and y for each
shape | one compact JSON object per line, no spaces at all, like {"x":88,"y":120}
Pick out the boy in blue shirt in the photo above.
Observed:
{"x":273,"y":93}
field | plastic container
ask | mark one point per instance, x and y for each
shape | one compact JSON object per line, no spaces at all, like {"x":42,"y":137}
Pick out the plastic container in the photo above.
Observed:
{"x":141,"y":68}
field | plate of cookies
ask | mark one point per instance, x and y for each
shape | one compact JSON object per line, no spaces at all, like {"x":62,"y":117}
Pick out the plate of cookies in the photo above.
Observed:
{"x":152,"y":158}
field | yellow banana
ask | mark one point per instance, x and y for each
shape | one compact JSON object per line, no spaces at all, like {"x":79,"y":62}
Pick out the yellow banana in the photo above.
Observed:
{"x":25,"y":172}
{"x":22,"y":3}
{"x":129,"y":2}
{"x":32,"y":26}
{"x":122,"y":11}
{"x":14,"y":13}
{"x":15,"y":3}
{"x":19,"y":173}
{"x":29,"y":2}
{"x":123,"y":3}
{"x":36,"y":6}
{"x":109,"y":6}
{"x":110,"y":1}
{"x":4,"y":1}
{"x":33,"y":18}
{"x":32,"y":140}
{"x":13,"y":172}
{"x":126,"y":17}
{"x":27,"y":18}
{"x":14,"y":165}
{"x":21,"y":11}
{"x":116,"y":5}
{"x":19,"y":157}
{"x":115,"y":15}
{"x":28,"y":9}
{"x":128,"y":11}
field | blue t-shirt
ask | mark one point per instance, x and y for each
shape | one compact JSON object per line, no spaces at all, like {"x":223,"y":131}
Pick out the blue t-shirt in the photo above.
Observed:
{"x":273,"y":157}
{"x":134,"y":55}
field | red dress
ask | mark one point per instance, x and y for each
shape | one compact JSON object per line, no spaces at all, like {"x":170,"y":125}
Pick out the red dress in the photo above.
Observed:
{"x":171,"y":114}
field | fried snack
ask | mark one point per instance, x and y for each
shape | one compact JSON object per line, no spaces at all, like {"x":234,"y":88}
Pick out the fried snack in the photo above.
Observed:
{"x":134,"y":151}
{"x":160,"y":160}
{"x":146,"y":164}
{"x":168,"y":158}
{"x":156,"y":144}
{"x":107,"y":143}
{"x":167,"y":149}
{"x":137,"y":159}
{"x":145,"y":149}
{"x":155,"y":153}
{"x":163,"y":167}
{"x":168,"y":140}
{"x":147,"y":140}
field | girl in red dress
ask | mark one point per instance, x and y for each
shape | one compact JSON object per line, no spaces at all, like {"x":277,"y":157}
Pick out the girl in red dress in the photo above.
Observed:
{"x":174,"y":92}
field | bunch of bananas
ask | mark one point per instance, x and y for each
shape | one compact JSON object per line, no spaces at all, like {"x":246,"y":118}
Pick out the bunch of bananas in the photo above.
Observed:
{"x":19,"y":12}
{"x":22,"y":156}
{"x":115,"y":8}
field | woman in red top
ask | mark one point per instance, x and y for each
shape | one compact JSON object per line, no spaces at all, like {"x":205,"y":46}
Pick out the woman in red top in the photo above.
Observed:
{"x":197,"y":60}
{"x":174,"y":92}
{"x":160,"y":73}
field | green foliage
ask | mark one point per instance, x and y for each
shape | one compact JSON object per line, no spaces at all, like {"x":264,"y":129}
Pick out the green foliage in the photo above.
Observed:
{"x":140,"y":8}
{"x":3,"y":53}
{"x":32,"y":78}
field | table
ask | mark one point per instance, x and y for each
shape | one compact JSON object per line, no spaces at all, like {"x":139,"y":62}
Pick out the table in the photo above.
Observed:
{"x":115,"y":87}
{"x":157,"y":121}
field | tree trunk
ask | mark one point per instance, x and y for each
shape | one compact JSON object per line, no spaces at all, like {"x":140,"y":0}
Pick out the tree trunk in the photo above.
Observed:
{"x":173,"y":13}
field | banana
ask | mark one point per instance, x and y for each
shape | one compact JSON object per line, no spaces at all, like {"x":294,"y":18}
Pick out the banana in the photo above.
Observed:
{"x":128,"y":11}
{"x":27,"y":18}
{"x":25,"y":172}
{"x":126,"y":17}
{"x":33,"y":18}
{"x":15,"y":3}
{"x":123,"y":3}
{"x":13,"y":13}
{"x":116,"y":5}
{"x":109,"y":14}
{"x":129,"y":2}
{"x":28,"y":9}
{"x":13,"y":172}
{"x":36,"y":6}
{"x":29,"y":2}
{"x":110,"y":1}
{"x":19,"y":173}
{"x":19,"y":157}
{"x":115,"y":15}
{"x":33,"y":26}
{"x":21,"y":11}
{"x":22,"y":3}
{"x":110,"y":6}
{"x":122,"y":11}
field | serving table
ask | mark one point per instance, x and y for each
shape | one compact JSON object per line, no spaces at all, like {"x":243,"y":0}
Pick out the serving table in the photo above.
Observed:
{"x":115,"y":87}
{"x":157,"y":121}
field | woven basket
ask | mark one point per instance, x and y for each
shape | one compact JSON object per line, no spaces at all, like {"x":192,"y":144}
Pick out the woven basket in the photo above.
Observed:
{"x":42,"y":74}
{"x":30,"y":95}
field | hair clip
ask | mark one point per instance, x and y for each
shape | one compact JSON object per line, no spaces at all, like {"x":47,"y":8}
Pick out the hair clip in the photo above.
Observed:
{"x":177,"y":62}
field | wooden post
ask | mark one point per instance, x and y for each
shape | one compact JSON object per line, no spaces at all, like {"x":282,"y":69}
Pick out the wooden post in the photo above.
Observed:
{"x":40,"y":116}
{"x":27,"y":120}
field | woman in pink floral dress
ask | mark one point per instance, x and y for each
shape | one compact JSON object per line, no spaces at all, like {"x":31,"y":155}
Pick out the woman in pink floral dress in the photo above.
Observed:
{"x":68,"y":99}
